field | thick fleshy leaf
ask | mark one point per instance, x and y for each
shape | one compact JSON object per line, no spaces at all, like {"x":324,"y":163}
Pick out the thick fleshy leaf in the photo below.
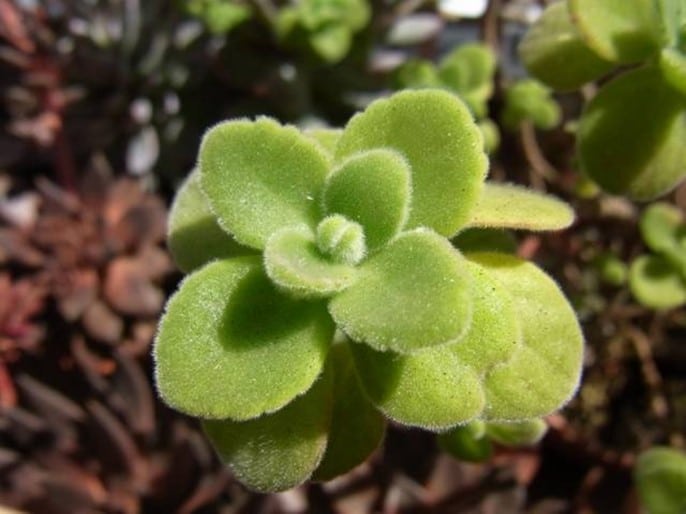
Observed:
{"x":341,"y":239}
{"x":372,"y":188}
{"x":521,"y":433}
{"x":554,"y":52}
{"x":510,"y":206}
{"x":530,"y":100}
{"x":412,"y":294}
{"x":261,"y":176}
{"x":660,"y":476}
{"x":544,"y":371}
{"x":619,"y":30}
{"x":326,"y":137}
{"x":194,"y":237}
{"x":467,"y":443}
{"x":279,"y":450}
{"x":231,"y":346}
{"x":295,"y":264}
{"x":627,"y":152}
{"x":357,"y":427}
{"x":656,"y":283}
{"x":436,"y":134}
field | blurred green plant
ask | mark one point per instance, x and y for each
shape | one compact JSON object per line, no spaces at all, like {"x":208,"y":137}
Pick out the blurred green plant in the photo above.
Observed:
{"x":631,"y":133}
{"x":220,"y":16}
{"x":660,"y":477}
{"x":530,"y":100}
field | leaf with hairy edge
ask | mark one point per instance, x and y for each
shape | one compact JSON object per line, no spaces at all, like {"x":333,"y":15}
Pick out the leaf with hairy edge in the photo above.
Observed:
{"x":372,"y":188}
{"x":280,"y":450}
{"x":660,"y":476}
{"x":618,"y":30}
{"x":327,"y":138}
{"x":412,"y":294}
{"x":510,"y":206}
{"x":294,"y":264}
{"x":435,"y":132}
{"x":627,"y":152}
{"x":194,"y":237}
{"x":467,"y":442}
{"x":261,"y":176}
{"x":554,"y":52}
{"x":656,"y":283}
{"x":521,"y":433}
{"x":231,"y":346}
{"x":357,"y":428}
{"x":544,"y":372}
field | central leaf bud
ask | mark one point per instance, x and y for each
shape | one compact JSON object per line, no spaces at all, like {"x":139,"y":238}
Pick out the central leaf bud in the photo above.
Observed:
{"x":341,"y":239}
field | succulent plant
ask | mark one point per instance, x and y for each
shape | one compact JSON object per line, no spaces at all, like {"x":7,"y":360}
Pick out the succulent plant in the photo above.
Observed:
{"x":530,"y":100}
{"x":631,"y":133}
{"x":660,"y":477}
{"x":325,"y":295}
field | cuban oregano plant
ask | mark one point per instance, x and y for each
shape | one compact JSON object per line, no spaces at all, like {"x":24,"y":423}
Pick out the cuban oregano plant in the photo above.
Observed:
{"x":631,"y":133}
{"x":324,"y":296}
{"x":660,"y":477}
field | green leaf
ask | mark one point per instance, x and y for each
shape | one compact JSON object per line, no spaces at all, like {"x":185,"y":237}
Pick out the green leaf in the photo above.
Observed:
{"x":412,"y":294}
{"x":544,"y":371}
{"x":194,"y":237}
{"x":331,"y":42}
{"x":295,"y":265}
{"x":341,"y":239}
{"x":260,"y":176}
{"x":655,"y":283}
{"x":661,"y":226}
{"x":357,"y":428}
{"x":281,"y":450}
{"x":327,"y":138}
{"x":230,"y":346}
{"x":521,"y":433}
{"x":660,"y":476}
{"x":417,"y":73}
{"x":490,"y":134}
{"x":530,"y":100}
{"x":467,"y":443}
{"x":673,"y":66}
{"x":554,"y":52}
{"x":510,"y":206}
{"x":436,"y":134}
{"x":372,"y":188}
{"x":619,"y":30}
{"x":627,"y":152}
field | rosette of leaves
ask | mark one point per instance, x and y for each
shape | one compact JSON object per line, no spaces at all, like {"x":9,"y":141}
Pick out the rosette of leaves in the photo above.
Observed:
{"x":327,"y":27}
{"x":631,"y":133}
{"x":658,"y":280}
{"x":660,"y":477}
{"x":324,"y":295}
{"x":468,"y":71}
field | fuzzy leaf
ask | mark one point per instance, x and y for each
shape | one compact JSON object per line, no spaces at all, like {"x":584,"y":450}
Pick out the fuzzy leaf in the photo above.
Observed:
{"x":521,"y":433}
{"x":627,"y":152}
{"x":294,"y":264}
{"x":436,"y":134}
{"x":357,"y":428}
{"x":554,"y":52}
{"x":230,"y":346}
{"x":280,"y":450}
{"x":327,"y":138}
{"x":341,"y":239}
{"x":544,"y":372}
{"x":260,"y":176}
{"x":372,"y":188}
{"x":510,"y":206}
{"x":467,"y":442}
{"x":194,"y":237}
{"x":660,"y":476}
{"x":656,"y":283}
{"x":618,"y":30}
{"x":412,"y":294}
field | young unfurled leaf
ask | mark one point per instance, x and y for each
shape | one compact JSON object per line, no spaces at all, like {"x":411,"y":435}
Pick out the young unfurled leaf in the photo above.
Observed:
{"x":280,"y":450}
{"x":372,"y":188}
{"x":554,"y":52}
{"x":467,"y":442}
{"x":510,"y":206}
{"x":660,"y":476}
{"x":412,"y":294}
{"x":231,"y":346}
{"x":520,"y":433}
{"x":656,"y":283}
{"x":434,"y":131}
{"x":260,"y":176}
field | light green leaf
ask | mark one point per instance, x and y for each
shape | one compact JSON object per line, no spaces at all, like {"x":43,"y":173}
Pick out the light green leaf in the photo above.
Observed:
{"x":661,"y":226}
{"x":341,"y":239}
{"x":230,"y":346}
{"x":327,"y":138}
{"x":554,"y":52}
{"x":619,"y":30}
{"x":490,"y":134}
{"x":673,"y":66}
{"x":627,"y":152}
{"x":331,"y":41}
{"x":436,"y":134}
{"x":296,"y":266}
{"x":417,"y":73}
{"x":530,"y":100}
{"x":260,"y":176}
{"x":521,"y":433}
{"x":544,"y":371}
{"x":510,"y":206}
{"x":194,"y":237}
{"x":656,"y":283}
{"x":357,"y":428}
{"x":467,"y":443}
{"x":372,"y":188}
{"x":660,"y":476}
{"x":412,"y":294}
{"x":280,"y":450}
